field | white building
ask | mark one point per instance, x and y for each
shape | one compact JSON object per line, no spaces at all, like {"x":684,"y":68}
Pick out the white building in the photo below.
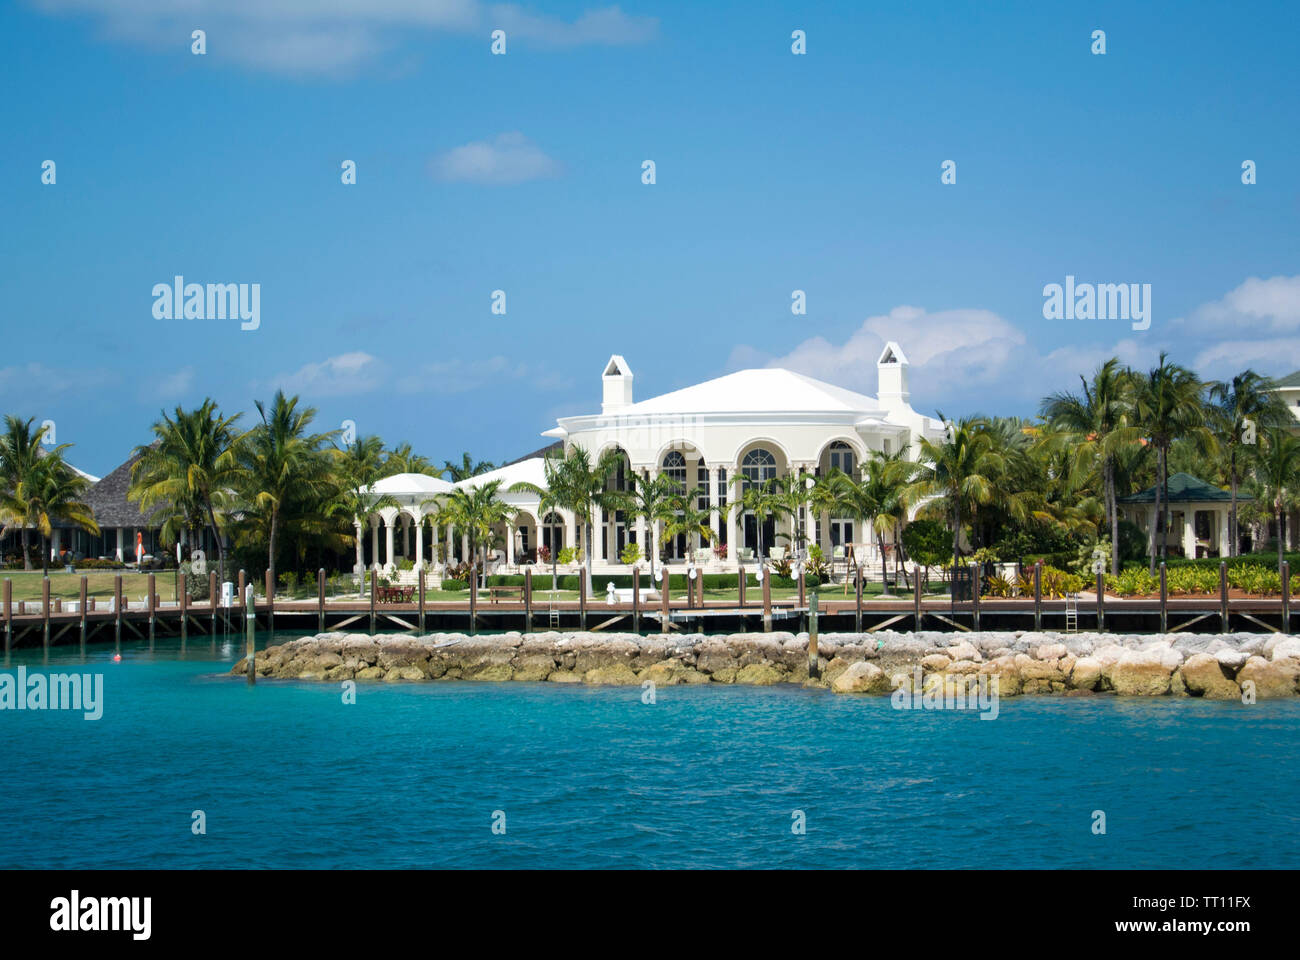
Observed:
{"x":756,"y":423}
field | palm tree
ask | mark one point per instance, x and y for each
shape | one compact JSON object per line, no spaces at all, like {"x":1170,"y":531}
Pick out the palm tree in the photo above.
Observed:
{"x":581,"y":486}
{"x":765,"y":499}
{"x":648,"y":501}
{"x":357,"y":467}
{"x":1242,"y":406}
{"x":281,"y":461}
{"x":683,"y":516}
{"x":476,"y":511}
{"x":956,"y":475}
{"x":466,"y":468}
{"x":1276,"y":470}
{"x":20,"y":453}
{"x":191,"y":467}
{"x":1098,"y":421}
{"x":876,"y":498}
{"x":402,"y":459}
{"x":550,"y":498}
{"x":1166,"y":406}
{"x":54,"y":491}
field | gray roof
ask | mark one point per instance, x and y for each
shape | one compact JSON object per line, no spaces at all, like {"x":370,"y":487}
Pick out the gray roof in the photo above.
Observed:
{"x":108,"y":500}
{"x":1290,"y":380}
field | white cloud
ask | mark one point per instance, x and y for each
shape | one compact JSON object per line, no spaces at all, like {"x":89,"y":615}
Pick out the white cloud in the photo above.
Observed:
{"x":347,"y":374}
{"x":962,"y":360}
{"x":462,"y":376}
{"x":36,"y":380}
{"x":1255,"y":325}
{"x":325,"y":36}
{"x":509,"y":158}
{"x":609,"y":26}
{"x":174,"y":385}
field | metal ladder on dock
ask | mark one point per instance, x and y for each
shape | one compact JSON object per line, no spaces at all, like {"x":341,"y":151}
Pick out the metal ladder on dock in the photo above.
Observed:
{"x":1071,"y":613}
{"x":553,"y":613}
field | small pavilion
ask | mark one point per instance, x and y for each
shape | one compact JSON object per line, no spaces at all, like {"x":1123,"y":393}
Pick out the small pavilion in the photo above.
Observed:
{"x":1198,"y":516}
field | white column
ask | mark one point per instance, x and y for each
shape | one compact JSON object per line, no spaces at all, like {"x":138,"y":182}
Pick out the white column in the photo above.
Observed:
{"x":713,"y":502}
{"x":1189,"y":531}
{"x":374,"y":542}
{"x":120,"y":534}
{"x":570,"y":529}
{"x":601,"y":535}
{"x":510,"y":544}
{"x":733,"y":538}
{"x":406,"y":533}
{"x":419,"y":544}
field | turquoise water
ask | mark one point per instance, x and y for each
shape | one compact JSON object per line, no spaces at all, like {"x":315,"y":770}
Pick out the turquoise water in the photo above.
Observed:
{"x":410,"y":776}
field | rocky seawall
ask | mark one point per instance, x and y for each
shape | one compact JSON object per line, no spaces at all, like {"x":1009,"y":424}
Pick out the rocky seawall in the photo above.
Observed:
{"x":1214,"y":666}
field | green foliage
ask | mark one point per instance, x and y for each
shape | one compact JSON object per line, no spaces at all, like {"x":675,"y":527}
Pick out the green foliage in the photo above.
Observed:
{"x":631,"y":554}
{"x":928,"y":542}
{"x":452,"y":586}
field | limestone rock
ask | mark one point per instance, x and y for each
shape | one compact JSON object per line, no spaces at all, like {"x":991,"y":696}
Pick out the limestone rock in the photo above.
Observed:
{"x":1205,"y":677}
{"x":862,"y":676}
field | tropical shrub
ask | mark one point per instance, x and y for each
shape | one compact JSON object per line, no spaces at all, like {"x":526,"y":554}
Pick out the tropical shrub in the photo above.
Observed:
{"x":928,"y":542}
{"x":452,"y":586}
{"x":543,"y":554}
{"x":631,"y":554}
{"x":998,"y":586}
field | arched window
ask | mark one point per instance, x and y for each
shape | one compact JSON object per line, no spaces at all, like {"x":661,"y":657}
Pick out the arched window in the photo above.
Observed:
{"x":758,"y":465}
{"x":675,"y":468}
{"x":841,"y":457}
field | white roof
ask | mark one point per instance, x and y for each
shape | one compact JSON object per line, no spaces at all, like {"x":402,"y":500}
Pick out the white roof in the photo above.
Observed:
{"x":766,"y":390}
{"x":410,"y":484}
{"x":532,"y":470}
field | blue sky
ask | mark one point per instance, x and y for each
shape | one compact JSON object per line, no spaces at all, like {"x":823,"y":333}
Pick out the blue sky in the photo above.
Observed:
{"x":522,"y":173}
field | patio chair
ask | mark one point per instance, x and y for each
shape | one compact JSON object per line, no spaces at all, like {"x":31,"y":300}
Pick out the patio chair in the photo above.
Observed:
{"x":745,"y":554}
{"x":776,"y":553}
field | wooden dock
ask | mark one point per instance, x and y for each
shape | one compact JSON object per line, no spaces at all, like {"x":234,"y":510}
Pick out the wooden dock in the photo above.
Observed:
{"x":51,"y":622}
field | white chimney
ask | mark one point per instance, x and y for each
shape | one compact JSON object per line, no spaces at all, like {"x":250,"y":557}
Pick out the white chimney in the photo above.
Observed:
{"x":891,"y":369}
{"x":617,"y":381}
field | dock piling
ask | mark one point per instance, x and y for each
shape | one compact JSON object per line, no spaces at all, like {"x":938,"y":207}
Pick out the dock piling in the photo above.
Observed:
{"x":374,"y":579}
{"x":528,"y":602}
{"x":916,"y":601}
{"x":767,"y":601}
{"x":1285,"y":570}
{"x":582,"y":600}
{"x":1101,"y":602}
{"x":45,"y":617}
{"x":1223,"y":597}
{"x":117,"y":614}
{"x":665,"y":600}
{"x":636,"y":599}
{"x":975,"y":596}
{"x":857,"y":599}
{"x":8,"y":603}
{"x":1164,"y":598}
{"x":184,"y":600}
{"x":82,"y":595}
{"x":239,"y":599}
{"x":1038,"y":596}
{"x":320,"y":600}
{"x":813,"y":670}
{"x":270,"y":603}
{"x":250,"y":646}
{"x":419,"y":587}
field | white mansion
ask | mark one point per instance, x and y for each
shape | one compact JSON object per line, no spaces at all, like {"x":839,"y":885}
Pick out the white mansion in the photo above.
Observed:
{"x":757,"y":423}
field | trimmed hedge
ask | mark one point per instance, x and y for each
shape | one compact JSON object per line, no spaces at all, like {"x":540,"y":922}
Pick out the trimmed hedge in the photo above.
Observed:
{"x":453,"y":585}
{"x":622,"y":581}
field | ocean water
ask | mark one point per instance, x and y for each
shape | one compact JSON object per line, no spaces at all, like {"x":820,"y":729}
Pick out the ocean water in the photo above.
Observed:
{"x":416,"y":775}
